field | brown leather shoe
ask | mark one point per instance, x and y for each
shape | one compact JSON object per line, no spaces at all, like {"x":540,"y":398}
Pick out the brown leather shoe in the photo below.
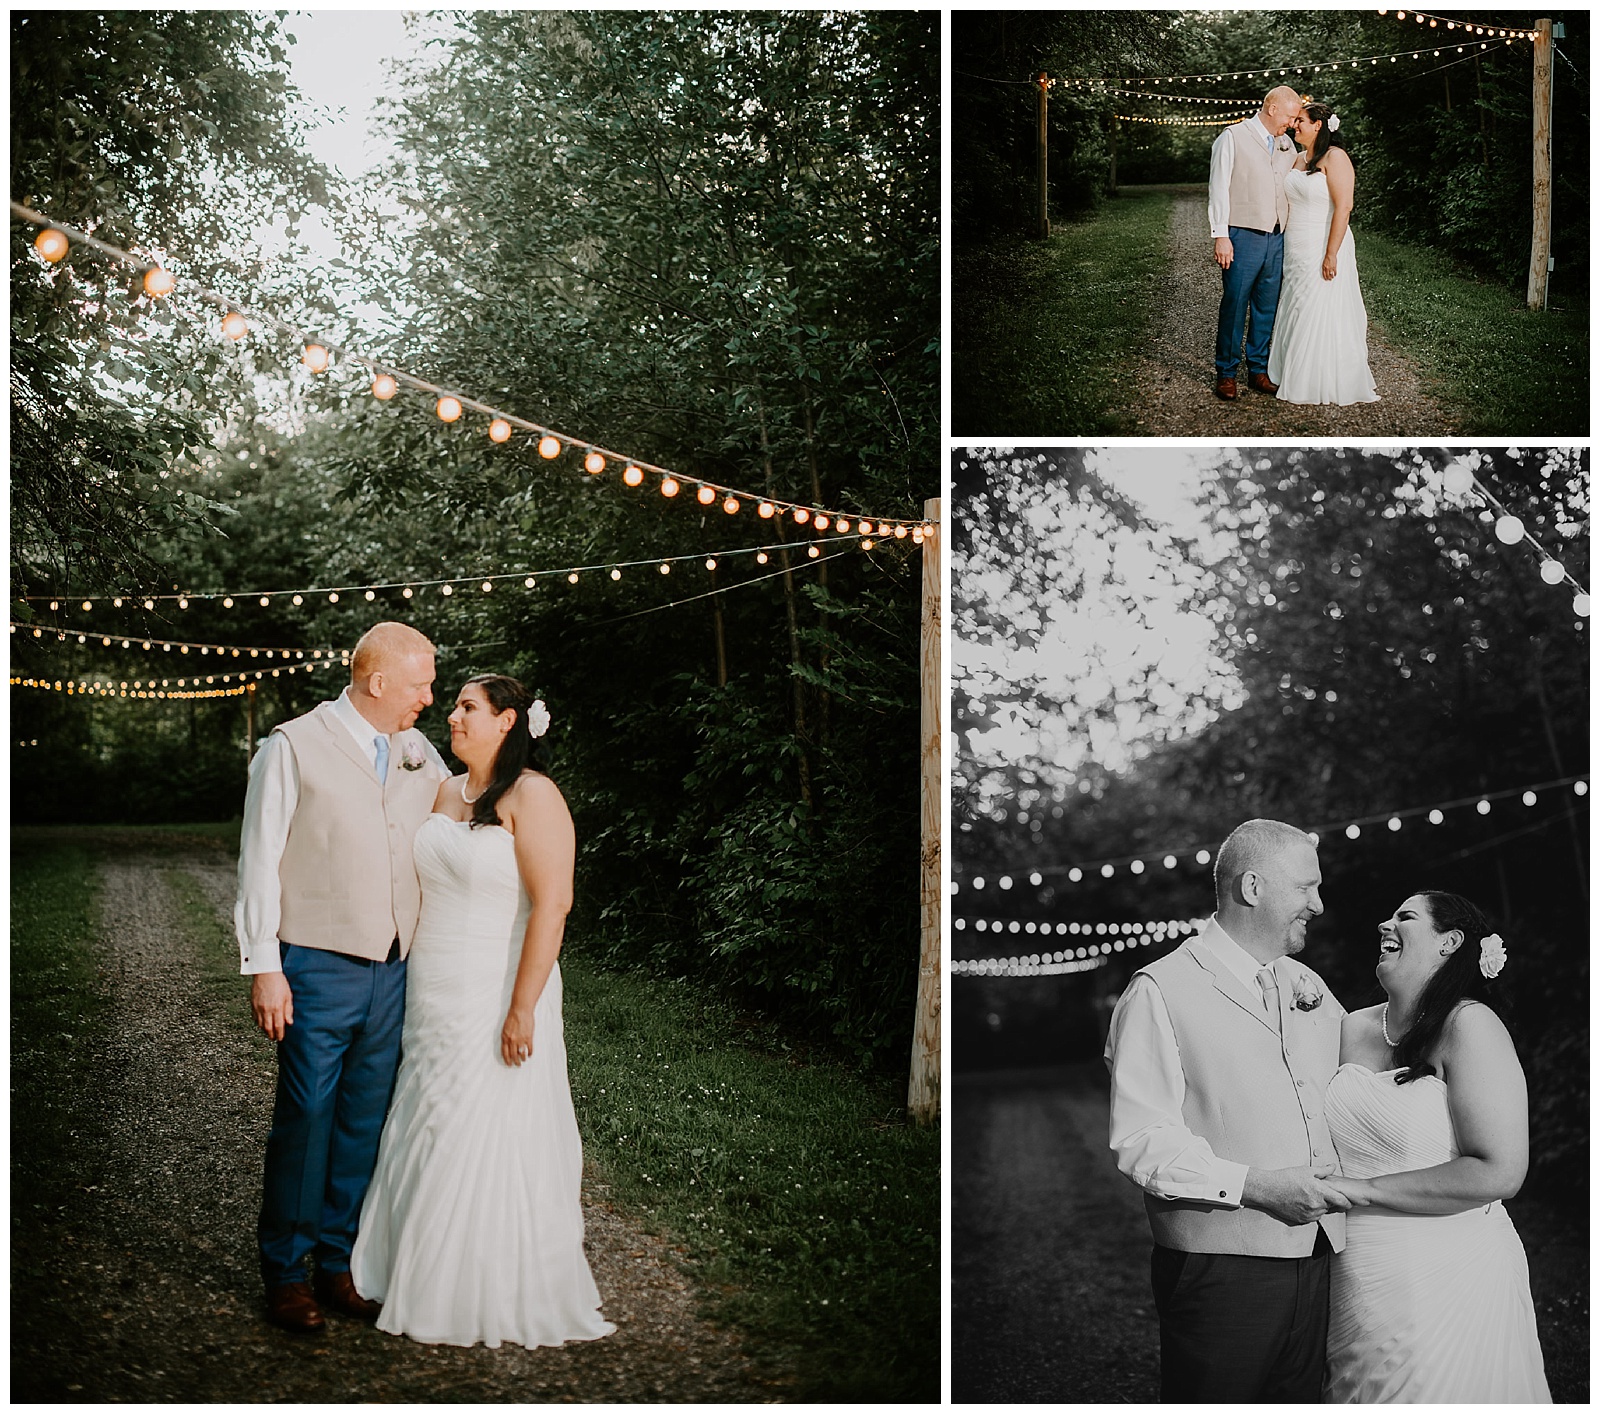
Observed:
{"x":295,"y":1309}
{"x":337,"y":1291}
{"x":1228,"y":389}
{"x":1262,"y":384}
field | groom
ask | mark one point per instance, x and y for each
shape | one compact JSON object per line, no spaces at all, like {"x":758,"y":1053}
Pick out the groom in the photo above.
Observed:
{"x":328,"y":901}
{"x":1220,"y":1053}
{"x":1248,"y":211}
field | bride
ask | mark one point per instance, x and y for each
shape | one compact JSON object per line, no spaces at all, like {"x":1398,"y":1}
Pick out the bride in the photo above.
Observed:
{"x":472,"y":1229}
{"x":1429,"y":1115}
{"x":1319,"y":341}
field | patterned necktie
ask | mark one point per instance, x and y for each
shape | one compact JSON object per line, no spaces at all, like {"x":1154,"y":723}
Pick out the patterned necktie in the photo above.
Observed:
{"x":382,"y":763}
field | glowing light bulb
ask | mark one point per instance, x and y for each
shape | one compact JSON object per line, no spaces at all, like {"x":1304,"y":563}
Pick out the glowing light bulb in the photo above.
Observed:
{"x":866,"y":544}
{"x":1394,"y":822}
{"x":761,"y":557}
{"x":369,"y":596}
{"x":812,"y":551}
{"x":616,"y":574}
{"x":664,"y":567}
{"x":1529,"y":798}
{"x":447,"y":590}
{"x":1551,"y":572}
{"x":487,"y":587}
{"x":900,"y":532}
{"x":1436,"y":817}
{"x":297,"y":600}
{"x":669,"y":487}
{"x":766,"y":510}
{"x":549,"y":447}
{"x":594,"y":463}
{"x":52,"y":245}
{"x":573,"y":577}
{"x":499,"y":430}
{"x":406,"y":592}
{"x":384,"y":387}
{"x":333,"y":597}
{"x":632,"y":476}
{"x":158,"y":283}
{"x":731,"y":505}
{"x":1580,"y":605}
{"x":448,"y":408}
{"x":705,"y":495}
{"x":233,"y":325}
{"x":711,"y":564}
{"x":226,"y":604}
{"x":1457,"y":479}
{"x":528,"y":582}
{"x":1508,"y":530}
{"x":822,"y":522}
{"x":315,"y":358}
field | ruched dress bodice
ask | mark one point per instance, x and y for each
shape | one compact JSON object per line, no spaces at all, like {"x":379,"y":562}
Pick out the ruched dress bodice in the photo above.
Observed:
{"x":472,"y":1229}
{"x":1319,"y":339}
{"x":1423,"y":1309}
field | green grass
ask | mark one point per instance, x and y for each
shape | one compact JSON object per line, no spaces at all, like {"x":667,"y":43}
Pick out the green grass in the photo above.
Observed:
{"x":57,"y":1000}
{"x":1507,"y":371}
{"x":1040,"y":328}
{"x":806,"y":1205}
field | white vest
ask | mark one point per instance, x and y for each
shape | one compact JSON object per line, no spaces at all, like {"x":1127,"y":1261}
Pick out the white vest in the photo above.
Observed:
{"x":1255,"y":191}
{"x":1254,"y":1096}
{"x":348,"y":882}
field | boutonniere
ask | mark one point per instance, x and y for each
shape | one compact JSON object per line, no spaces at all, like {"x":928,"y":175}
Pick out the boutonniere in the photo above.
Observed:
{"x":1307,"y":994}
{"x":411,"y":758}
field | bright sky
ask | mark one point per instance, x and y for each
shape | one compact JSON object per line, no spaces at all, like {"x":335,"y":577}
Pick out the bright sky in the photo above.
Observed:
{"x":1092,"y":642}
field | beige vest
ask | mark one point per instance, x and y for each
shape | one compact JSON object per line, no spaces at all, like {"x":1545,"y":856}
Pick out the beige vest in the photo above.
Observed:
{"x":1255,"y":192}
{"x":348,"y":881}
{"x":1254,"y":1096}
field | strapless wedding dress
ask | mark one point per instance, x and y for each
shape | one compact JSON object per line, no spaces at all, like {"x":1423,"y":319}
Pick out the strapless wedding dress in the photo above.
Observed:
{"x":1423,"y":1310}
{"x":1319,"y":338}
{"x":472,"y":1229}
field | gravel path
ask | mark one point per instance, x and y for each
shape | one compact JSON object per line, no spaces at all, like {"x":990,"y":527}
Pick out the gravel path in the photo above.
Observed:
{"x":1171,"y":391}
{"x":154,"y":1294}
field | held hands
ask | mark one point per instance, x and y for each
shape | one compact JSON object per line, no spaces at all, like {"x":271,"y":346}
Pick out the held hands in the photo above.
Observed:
{"x":1359,"y":1191}
{"x":516,"y":1038}
{"x":1294,"y":1196}
{"x":1222,"y":250}
{"x":272,"y":1004}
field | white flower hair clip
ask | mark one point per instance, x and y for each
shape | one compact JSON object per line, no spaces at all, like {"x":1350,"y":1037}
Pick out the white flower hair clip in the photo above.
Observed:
{"x":1333,"y":122}
{"x":538,"y":718}
{"x":1491,"y":955}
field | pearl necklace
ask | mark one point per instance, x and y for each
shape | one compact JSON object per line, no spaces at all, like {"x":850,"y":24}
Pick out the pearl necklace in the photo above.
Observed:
{"x":1383,"y":1023}
{"x":470,"y":799}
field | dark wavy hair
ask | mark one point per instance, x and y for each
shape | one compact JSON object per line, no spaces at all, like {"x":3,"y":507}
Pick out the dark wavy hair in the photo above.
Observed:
{"x":1459,"y":979}
{"x":517,"y":752}
{"x":1320,"y":113}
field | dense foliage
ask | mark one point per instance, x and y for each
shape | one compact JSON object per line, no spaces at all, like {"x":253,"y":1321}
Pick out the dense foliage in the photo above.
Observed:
{"x":707,"y":240}
{"x":1389,"y":653}
{"x":1442,"y":145}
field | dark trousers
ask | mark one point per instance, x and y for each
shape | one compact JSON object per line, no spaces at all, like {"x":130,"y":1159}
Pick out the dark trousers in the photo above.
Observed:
{"x":336,"y":1069}
{"x":1241,"y":1330}
{"x":1251,"y":284}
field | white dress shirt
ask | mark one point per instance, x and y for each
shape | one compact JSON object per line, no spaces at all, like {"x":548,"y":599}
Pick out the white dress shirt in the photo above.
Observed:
{"x":1222,"y":170}
{"x":1154,"y":1147}
{"x":269,"y":804}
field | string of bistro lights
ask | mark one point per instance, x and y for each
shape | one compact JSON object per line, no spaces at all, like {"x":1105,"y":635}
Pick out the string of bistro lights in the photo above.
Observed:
{"x":159,"y":687}
{"x":408,"y":589}
{"x":166,"y":645}
{"x":55,"y":238}
{"x":1502,"y":39}
{"x":1392,"y":820}
{"x":1182,"y":122}
{"x":1460,"y":480}
{"x":1114,"y":938}
{"x":1470,"y":27}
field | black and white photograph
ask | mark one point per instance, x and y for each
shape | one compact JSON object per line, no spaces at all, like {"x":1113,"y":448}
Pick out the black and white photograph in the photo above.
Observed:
{"x":1269,"y":896}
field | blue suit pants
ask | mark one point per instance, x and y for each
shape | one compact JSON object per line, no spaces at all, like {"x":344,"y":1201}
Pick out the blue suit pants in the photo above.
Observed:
{"x":1250,"y":285}
{"x":336,"y":1071}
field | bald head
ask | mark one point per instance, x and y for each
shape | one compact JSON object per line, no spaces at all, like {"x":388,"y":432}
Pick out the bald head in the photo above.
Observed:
{"x":1278,"y":108}
{"x":391,"y":675}
{"x":1268,"y":883}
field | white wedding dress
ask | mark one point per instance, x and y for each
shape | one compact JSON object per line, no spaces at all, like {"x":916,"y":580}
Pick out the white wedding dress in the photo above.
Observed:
{"x":472,"y":1229}
{"x":1319,"y":337}
{"x":1423,"y":1310}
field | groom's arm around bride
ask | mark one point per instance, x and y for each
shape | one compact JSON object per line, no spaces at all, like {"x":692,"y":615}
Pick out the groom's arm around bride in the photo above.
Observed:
{"x":1220,"y":1054}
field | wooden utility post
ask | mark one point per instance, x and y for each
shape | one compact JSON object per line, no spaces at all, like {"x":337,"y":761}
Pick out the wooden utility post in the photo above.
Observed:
{"x":1539,"y":260}
{"x":923,"y":1097}
{"x":1044,"y":155}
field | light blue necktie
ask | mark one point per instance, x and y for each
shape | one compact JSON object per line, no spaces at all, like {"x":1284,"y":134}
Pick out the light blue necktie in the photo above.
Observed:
{"x":382,"y":763}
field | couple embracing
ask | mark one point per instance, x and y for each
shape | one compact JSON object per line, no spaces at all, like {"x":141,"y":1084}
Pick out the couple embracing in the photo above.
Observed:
{"x":1280,"y":228}
{"x":1325,"y":1189}
{"x":435,"y":1192}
